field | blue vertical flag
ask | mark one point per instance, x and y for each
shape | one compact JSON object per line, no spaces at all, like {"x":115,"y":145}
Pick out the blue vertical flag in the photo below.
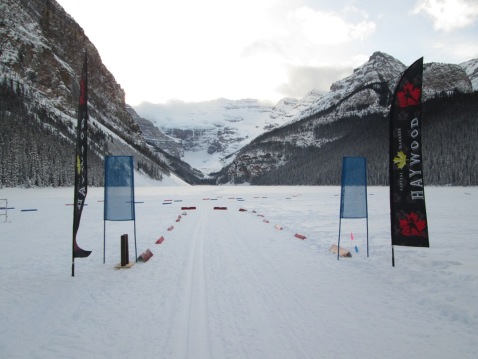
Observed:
{"x":353,"y":196}
{"x":119,"y":188}
{"x":119,"y":193}
{"x":409,"y":226}
{"x":81,"y":168}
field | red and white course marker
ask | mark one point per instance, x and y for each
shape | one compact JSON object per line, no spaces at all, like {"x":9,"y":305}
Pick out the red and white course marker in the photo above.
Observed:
{"x":145,"y":256}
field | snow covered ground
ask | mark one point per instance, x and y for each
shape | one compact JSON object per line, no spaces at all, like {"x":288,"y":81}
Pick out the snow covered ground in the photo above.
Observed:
{"x":229,"y":284}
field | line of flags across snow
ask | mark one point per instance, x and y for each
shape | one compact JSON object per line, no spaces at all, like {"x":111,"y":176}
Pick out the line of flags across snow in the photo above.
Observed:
{"x":146,"y":255}
{"x":409,"y":226}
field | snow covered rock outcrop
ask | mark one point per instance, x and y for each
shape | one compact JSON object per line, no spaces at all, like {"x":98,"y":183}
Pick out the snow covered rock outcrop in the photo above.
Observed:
{"x":210,"y":132}
{"x":471,"y":69}
{"x":346,"y":119}
{"x":154,"y":137}
{"x":444,"y":78}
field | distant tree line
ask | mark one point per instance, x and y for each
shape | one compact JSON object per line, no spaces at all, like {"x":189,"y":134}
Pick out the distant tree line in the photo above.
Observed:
{"x":37,"y":149}
{"x":450,"y":146}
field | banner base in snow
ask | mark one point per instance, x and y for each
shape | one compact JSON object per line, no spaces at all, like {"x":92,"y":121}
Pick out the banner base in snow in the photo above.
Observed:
{"x":342,"y":252}
{"x":129,"y":265}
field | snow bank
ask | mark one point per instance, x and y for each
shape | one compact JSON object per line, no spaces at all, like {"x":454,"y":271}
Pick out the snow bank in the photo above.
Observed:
{"x":228,"y":284}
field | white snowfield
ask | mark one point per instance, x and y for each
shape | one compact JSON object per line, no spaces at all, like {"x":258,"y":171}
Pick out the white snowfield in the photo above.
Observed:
{"x":230,"y":284}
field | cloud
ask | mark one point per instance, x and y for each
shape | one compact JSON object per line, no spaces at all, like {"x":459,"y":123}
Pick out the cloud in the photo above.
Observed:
{"x":328,"y":28}
{"x":448,"y":15}
{"x":302,"y":79}
{"x":462,"y":51}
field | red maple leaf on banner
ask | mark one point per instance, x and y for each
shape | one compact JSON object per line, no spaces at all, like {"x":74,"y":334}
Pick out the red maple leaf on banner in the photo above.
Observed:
{"x":409,"y":96}
{"x":412,"y":225}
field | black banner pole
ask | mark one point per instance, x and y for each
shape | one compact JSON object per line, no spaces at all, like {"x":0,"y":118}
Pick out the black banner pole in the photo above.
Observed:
{"x":338,"y":242}
{"x":73,"y":263}
{"x":104,"y":241}
{"x":135,"y":247}
{"x":367,"y":232}
{"x":393,"y":257}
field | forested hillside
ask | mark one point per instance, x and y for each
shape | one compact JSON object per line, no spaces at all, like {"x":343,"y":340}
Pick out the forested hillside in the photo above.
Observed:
{"x":41,"y":55}
{"x":37,"y":145}
{"x":36,"y":148}
{"x":450,"y":127}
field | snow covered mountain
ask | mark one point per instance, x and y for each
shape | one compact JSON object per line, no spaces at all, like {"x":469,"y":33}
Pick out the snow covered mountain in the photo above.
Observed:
{"x":218,"y":134}
{"x":350,"y":120}
{"x":229,"y":141}
{"x":41,"y":56}
{"x":210,"y":132}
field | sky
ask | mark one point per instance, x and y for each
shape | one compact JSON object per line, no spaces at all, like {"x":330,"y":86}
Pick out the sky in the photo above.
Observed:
{"x":192,"y":51}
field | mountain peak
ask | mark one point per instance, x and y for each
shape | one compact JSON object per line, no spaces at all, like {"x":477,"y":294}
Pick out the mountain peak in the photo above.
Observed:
{"x":380,"y":67}
{"x":379,"y":55}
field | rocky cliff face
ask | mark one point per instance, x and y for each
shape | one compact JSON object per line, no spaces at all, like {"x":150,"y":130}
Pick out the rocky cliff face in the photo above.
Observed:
{"x":155,"y":138}
{"x":41,"y":51}
{"x":444,"y":78}
{"x":42,"y":46}
{"x":367,"y":89}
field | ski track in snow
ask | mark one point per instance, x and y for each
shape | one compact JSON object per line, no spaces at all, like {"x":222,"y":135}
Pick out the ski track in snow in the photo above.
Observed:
{"x":226,"y":284}
{"x":192,"y":319}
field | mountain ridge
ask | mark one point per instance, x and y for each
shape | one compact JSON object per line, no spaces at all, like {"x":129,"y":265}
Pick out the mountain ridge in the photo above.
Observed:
{"x":244,"y":141}
{"x":354,"y":123}
{"x":367,"y":90}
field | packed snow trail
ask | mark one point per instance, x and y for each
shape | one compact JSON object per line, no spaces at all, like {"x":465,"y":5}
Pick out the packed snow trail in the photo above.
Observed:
{"x":226,"y":284}
{"x":232,"y":289}
{"x":243,"y":289}
{"x":236,"y":300}
{"x":190,"y":330}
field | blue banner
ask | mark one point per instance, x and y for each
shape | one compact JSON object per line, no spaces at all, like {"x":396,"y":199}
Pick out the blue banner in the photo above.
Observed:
{"x":119,"y":188}
{"x":353,"y":200}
